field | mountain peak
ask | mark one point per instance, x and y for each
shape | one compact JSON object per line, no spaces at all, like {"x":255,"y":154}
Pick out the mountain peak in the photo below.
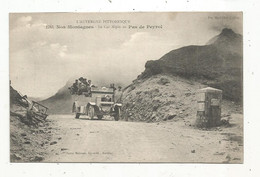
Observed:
{"x":226,"y":37}
{"x":227,"y":32}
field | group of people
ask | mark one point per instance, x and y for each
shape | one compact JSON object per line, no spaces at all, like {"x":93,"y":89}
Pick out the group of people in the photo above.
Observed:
{"x":81,"y":85}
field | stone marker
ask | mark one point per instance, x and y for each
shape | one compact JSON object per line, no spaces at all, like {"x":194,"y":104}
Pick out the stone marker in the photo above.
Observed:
{"x":209,"y":107}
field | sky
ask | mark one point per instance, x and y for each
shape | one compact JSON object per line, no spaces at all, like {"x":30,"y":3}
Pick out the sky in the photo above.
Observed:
{"x":43,"y":59}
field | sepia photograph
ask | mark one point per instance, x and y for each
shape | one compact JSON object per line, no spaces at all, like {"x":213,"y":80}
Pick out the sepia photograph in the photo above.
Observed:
{"x":129,"y":87}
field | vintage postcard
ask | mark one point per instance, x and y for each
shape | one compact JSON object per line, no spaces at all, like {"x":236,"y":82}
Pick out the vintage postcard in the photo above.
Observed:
{"x":126,"y":87}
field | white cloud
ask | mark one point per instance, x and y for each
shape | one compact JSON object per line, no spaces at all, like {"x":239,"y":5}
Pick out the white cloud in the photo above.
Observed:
{"x":40,"y":43}
{"x":24,"y":20}
{"x":60,"y":49}
{"x":27,"y":22}
{"x":137,"y":37}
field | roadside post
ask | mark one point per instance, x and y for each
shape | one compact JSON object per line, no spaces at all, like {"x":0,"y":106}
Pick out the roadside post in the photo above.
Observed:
{"x":209,"y":107}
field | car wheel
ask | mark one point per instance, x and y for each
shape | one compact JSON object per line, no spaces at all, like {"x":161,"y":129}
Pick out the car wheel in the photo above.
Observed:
{"x":77,"y":115}
{"x":118,"y":113}
{"x":91,"y":112}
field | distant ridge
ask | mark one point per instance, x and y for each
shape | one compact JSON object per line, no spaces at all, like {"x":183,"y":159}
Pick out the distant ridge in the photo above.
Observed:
{"x":61,"y":102}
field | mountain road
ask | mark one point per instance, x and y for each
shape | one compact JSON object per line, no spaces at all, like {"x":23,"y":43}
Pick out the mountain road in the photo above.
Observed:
{"x":85,"y":140}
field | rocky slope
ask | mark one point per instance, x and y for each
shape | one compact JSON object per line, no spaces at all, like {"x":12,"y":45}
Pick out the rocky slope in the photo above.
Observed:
{"x":28,"y":141}
{"x":164,"y":97}
{"x":217,"y":64}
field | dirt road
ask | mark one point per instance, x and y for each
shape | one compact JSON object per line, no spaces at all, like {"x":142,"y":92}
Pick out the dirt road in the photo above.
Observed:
{"x":84,"y":140}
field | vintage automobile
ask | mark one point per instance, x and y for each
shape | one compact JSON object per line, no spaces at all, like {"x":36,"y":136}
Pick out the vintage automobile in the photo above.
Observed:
{"x":99,"y":102}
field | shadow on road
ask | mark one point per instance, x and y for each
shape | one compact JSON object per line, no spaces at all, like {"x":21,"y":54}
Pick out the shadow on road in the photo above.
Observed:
{"x":95,"y":119}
